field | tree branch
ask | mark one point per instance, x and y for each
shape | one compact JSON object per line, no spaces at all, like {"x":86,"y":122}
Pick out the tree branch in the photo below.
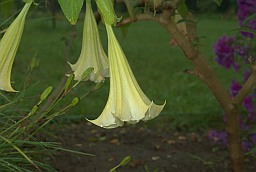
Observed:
{"x":207,"y":75}
{"x":247,"y":87}
{"x":139,"y":17}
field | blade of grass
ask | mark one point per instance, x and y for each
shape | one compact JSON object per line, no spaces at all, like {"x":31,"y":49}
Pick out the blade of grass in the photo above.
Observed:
{"x":11,"y":167}
{"x":20,"y":151}
{"x":73,"y":151}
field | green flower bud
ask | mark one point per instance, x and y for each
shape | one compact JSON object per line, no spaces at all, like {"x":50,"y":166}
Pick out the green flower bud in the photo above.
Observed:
{"x":46,"y":93}
{"x":75,"y":101}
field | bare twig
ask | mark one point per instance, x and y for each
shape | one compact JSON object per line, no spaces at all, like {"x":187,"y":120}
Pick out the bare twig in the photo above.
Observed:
{"x":139,"y":17}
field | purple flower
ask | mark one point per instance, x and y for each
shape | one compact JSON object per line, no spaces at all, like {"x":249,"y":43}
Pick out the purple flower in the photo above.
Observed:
{"x":225,"y":51}
{"x":218,"y":137}
{"x":234,"y":88}
{"x":247,"y":73}
{"x":245,"y":9}
{"x":243,"y":124}
{"x":243,"y":50}
{"x":246,"y":145}
{"x":253,"y":138}
{"x":248,"y":104}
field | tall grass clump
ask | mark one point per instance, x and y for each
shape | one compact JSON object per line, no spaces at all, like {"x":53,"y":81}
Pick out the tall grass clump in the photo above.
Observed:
{"x":23,"y":143}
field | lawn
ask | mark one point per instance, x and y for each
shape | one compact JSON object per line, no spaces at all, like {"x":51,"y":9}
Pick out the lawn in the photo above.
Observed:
{"x":157,"y":66}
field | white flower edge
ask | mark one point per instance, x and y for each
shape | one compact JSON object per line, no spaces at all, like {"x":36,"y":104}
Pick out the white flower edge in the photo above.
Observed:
{"x":126,"y":101}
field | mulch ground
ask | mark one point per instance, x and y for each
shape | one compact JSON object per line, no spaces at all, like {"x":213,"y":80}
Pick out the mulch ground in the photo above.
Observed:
{"x":151,"y":149}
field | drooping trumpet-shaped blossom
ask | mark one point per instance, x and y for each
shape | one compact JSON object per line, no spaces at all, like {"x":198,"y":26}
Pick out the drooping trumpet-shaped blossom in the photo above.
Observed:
{"x":126,"y":101}
{"x":92,"y":53}
{"x":8,"y":47}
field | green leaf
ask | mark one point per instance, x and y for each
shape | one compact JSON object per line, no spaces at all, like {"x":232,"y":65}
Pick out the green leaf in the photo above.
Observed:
{"x":71,"y":9}
{"x":249,"y":18}
{"x":182,"y":8}
{"x":6,"y":6}
{"x":27,"y":1}
{"x":252,"y":151}
{"x":218,"y":2}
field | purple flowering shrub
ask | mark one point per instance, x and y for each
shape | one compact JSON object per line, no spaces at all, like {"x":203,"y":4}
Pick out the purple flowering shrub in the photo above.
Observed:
{"x":234,"y":52}
{"x":225,"y":52}
{"x":246,"y":8}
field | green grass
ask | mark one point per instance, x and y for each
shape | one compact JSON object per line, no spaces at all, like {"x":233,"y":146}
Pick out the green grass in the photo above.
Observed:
{"x":157,"y":66}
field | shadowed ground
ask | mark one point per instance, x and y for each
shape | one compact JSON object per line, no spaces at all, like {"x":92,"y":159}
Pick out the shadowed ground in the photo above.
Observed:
{"x":151,"y":149}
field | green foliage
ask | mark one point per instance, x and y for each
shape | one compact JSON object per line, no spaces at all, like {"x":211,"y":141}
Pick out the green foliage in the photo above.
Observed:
{"x":252,"y":153}
{"x":218,"y":2}
{"x":71,"y":9}
{"x":27,"y":1}
{"x":20,"y":145}
{"x":6,"y":6}
{"x":182,"y":8}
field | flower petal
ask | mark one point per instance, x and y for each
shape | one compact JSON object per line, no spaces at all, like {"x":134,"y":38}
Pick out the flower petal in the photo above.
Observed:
{"x":8,"y":48}
{"x":126,"y":102}
{"x":92,"y":53}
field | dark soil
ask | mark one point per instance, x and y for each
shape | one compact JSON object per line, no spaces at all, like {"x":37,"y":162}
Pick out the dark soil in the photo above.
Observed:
{"x":151,"y":150}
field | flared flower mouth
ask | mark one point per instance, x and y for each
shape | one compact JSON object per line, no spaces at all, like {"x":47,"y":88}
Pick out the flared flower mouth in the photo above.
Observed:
{"x":8,"y":47}
{"x":126,"y":101}
{"x":92,"y":53}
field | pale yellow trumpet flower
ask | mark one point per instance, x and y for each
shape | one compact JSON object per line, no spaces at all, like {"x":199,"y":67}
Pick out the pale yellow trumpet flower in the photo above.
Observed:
{"x":126,"y":101}
{"x":92,"y":53}
{"x":8,"y":47}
